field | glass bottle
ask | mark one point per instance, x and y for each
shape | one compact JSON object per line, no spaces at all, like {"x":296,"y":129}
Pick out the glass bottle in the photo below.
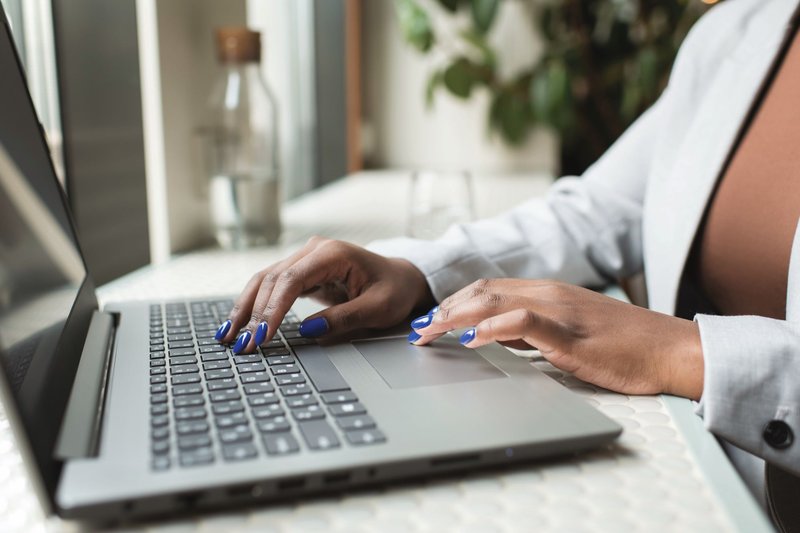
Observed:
{"x":242,"y":146}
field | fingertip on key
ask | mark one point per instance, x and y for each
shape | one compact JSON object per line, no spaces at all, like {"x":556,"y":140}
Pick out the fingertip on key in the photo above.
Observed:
{"x":223,"y":330}
{"x":261,"y":333}
{"x":242,"y":342}
{"x":315,"y":327}
{"x":467,"y":337}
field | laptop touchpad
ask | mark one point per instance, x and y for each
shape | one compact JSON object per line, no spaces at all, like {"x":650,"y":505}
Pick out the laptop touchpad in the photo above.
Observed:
{"x":403,"y":365}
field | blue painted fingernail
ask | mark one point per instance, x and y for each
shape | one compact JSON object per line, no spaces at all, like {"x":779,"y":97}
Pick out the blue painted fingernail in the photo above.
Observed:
{"x":468,"y":336}
{"x":421,"y":322}
{"x":261,"y":333}
{"x":434,"y":310}
{"x":242,"y":341}
{"x":315,"y":327}
{"x":414,"y":336}
{"x":223,"y":330}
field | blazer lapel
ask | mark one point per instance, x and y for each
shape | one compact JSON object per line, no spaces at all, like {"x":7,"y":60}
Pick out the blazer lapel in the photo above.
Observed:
{"x":793,"y":292}
{"x":676,"y":202}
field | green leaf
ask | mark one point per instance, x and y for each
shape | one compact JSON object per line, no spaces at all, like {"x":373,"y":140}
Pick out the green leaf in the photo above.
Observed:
{"x":459,"y":78}
{"x":434,"y":82}
{"x":415,"y":24}
{"x":479,"y":42}
{"x":483,"y":13}
{"x":550,"y":95}
{"x":648,"y":70}
{"x":450,"y":5}
{"x":509,"y":115}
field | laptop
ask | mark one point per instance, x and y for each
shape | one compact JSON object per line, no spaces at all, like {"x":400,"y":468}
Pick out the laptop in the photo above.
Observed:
{"x":135,"y":410}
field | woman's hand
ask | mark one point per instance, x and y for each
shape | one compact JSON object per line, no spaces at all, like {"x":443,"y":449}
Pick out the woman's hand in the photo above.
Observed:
{"x":364,"y":290}
{"x":600,"y":340}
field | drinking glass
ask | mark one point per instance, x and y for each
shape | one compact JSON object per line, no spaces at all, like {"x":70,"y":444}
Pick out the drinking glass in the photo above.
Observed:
{"x":438,"y":200}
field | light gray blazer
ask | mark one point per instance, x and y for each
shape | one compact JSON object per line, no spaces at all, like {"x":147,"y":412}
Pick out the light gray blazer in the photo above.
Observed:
{"x":638,"y":209}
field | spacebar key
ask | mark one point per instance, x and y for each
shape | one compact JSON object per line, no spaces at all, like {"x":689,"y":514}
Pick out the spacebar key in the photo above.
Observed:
{"x":320,"y":369}
{"x":318,"y":435}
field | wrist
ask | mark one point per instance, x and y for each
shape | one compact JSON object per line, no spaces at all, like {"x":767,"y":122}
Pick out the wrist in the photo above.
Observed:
{"x":684,"y":366}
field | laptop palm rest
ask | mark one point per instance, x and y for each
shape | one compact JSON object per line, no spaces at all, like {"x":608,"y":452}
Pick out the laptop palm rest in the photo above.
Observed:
{"x":404,"y":366}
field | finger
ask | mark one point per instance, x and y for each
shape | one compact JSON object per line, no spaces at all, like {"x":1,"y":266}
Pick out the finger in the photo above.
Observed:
{"x":516,"y":325}
{"x":242,"y":312}
{"x":464,"y":314}
{"x":368,"y":310}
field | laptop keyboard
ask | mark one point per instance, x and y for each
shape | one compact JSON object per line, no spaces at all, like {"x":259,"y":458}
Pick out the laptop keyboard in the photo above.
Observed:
{"x":207,"y":404}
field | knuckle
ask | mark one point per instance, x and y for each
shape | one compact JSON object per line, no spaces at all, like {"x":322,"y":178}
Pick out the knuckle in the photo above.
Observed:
{"x":270,"y":278}
{"x":443,"y":315}
{"x":255,"y":319}
{"x":290,"y":275}
{"x":478,"y":288}
{"x":493,"y":300}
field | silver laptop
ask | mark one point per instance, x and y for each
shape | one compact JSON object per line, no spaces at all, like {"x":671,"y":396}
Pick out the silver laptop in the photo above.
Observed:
{"x":136,"y":410}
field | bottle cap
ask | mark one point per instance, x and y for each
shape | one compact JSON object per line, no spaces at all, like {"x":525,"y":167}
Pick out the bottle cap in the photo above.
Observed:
{"x":238,"y":44}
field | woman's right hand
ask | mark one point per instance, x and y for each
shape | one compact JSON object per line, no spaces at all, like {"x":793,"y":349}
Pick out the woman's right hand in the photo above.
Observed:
{"x":362,"y":289}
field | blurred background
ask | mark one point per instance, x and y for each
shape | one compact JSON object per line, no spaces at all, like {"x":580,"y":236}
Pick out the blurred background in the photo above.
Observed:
{"x":530,"y":88}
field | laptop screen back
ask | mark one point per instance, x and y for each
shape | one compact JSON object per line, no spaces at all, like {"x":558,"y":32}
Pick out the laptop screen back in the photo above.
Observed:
{"x":45,"y":298}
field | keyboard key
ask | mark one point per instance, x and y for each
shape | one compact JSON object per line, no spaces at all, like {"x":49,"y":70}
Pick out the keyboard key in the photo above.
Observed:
{"x":191,"y":442}
{"x":235,"y":434}
{"x":200,"y":456}
{"x":295,"y":390}
{"x":216,"y":365}
{"x":346,"y":409}
{"x":249,"y":358}
{"x":160,"y":447}
{"x":292,"y":379}
{"x":321,"y":371}
{"x":219,"y":374}
{"x":181,"y":344}
{"x":225,"y":395}
{"x":183,"y":369}
{"x":312,"y":412}
{"x":226,"y":408}
{"x":266,"y":398}
{"x":365,"y":436}
{"x":206,"y":357}
{"x":180,"y":330}
{"x":157,"y":371}
{"x":267,"y":411}
{"x":158,"y":389}
{"x":289,"y":326}
{"x":280,"y":444}
{"x":254,"y":377}
{"x":222,"y":384}
{"x":190,"y":413}
{"x":159,"y":421}
{"x":233,"y":419}
{"x":188,"y":401}
{"x":280,"y":360}
{"x":270,"y":352}
{"x":181,"y":390}
{"x":302,"y":341}
{"x":277,"y":424}
{"x":239,"y":452}
{"x":182,"y":352}
{"x":178,"y":338}
{"x":158,"y":362}
{"x":289,"y":335}
{"x":183,"y":360}
{"x":212,"y":349}
{"x":185,"y":378}
{"x":339,"y":397}
{"x":258,"y":388}
{"x":158,"y":398}
{"x":318,"y":434}
{"x":274,"y":343}
{"x":155,"y":380}
{"x":191,"y":428}
{"x":159,"y":409}
{"x":348,"y":423}
{"x":301,"y":401}
{"x":159,"y":433}
{"x":280,"y":370}
{"x":157,"y":355}
{"x":251,"y":367}
{"x":207,"y":342}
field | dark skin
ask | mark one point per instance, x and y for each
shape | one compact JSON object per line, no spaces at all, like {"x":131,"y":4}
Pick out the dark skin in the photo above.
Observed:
{"x":612,"y":344}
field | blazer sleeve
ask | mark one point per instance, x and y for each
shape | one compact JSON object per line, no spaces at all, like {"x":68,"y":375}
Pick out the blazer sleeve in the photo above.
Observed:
{"x":585,"y":231}
{"x":751,"y":394}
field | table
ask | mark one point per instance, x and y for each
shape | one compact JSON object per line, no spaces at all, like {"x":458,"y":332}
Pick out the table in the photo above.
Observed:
{"x":665,"y":473}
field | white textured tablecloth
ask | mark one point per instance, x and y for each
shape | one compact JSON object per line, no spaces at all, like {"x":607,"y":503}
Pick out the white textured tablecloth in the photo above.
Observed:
{"x":647,"y":481}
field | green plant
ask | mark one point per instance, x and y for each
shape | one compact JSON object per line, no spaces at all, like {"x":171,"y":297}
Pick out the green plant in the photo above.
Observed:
{"x":603,"y":63}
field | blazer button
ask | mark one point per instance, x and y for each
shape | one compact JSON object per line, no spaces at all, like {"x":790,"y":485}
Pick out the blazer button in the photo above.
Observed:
{"x":778,"y":434}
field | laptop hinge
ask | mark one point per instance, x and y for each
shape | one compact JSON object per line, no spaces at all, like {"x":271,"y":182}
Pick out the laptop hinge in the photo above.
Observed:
{"x":80,"y":429}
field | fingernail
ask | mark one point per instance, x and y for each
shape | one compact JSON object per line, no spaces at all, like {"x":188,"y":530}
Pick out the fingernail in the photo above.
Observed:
{"x":421,"y":322}
{"x":261,"y":333}
{"x":467,"y":337}
{"x":314,"y":327}
{"x":434,"y":310}
{"x":223,"y":330}
{"x":241,"y":342}
{"x":414,"y":336}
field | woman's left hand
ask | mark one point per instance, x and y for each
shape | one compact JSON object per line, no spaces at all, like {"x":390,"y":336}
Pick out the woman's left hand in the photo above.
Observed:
{"x":604,"y":341}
